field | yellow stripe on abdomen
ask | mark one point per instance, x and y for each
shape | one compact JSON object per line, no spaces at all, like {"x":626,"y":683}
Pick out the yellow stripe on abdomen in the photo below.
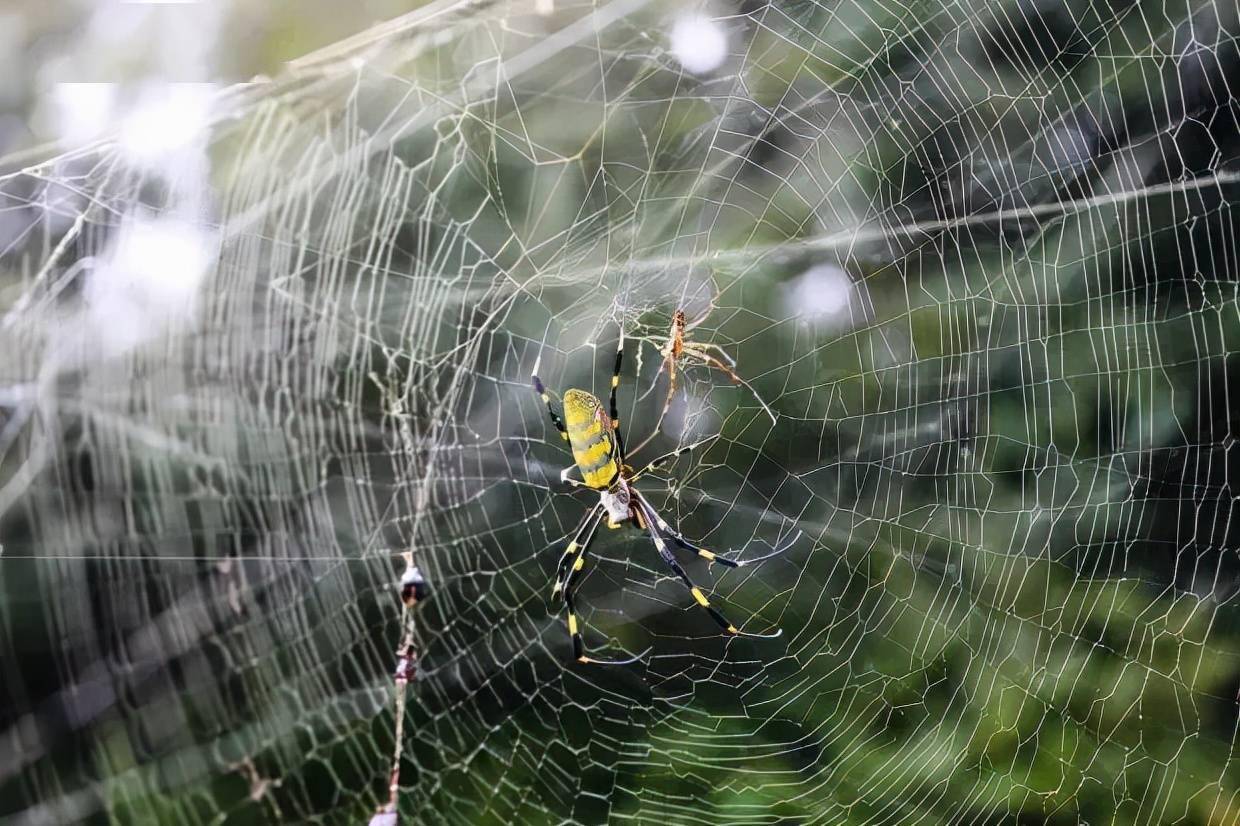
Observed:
{"x":600,"y":477}
{"x":591,"y":456}
{"x":592,"y":438}
{"x":585,"y":432}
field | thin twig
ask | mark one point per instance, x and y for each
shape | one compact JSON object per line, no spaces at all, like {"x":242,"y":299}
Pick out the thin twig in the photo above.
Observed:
{"x":413,"y":588}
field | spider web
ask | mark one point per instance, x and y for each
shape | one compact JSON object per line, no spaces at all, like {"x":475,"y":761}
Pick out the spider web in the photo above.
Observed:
{"x":979,"y":258}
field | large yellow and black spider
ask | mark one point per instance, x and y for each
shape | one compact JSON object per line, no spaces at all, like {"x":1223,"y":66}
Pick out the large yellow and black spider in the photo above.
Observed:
{"x":598,"y":452}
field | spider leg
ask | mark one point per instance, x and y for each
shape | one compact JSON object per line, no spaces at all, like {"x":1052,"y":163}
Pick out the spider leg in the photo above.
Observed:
{"x":671,"y":386}
{"x":666,"y":554}
{"x":664,"y":357}
{"x":546,"y":398}
{"x":570,"y":565}
{"x":693,"y":350}
{"x":679,"y":540}
{"x":574,"y":552}
{"x":727,"y":368}
{"x":702,"y":346}
{"x":570,"y":572}
{"x":668,"y":363}
{"x":579,"y":646}
{"x":614,"y":409}
{"x":693,"y":325}
{"x":656,"y":463}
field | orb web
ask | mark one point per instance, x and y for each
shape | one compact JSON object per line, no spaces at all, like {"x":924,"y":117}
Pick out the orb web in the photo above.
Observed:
{"x":979,"y":258}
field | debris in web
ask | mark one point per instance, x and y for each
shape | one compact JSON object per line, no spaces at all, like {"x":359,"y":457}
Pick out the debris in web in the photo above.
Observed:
{"x":413,"y":589}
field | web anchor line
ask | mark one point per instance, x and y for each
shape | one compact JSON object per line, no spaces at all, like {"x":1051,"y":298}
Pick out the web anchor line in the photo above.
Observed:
{"x":413,"y":589}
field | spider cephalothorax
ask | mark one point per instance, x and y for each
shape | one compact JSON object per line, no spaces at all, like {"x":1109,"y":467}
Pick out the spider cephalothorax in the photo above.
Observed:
{"x":594,"y":435}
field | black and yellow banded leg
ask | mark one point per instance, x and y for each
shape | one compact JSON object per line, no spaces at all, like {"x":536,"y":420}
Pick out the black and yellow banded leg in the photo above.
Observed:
{"x":579,"y":645}
{"x":658,"y":462}
{"x":614,"y":409}
{"x":570,"y":566}
{"x":571,"y":571}
{"x":666,"y":554}
{"x":679,"y":540}
{"x":574,"y":554}
{"x":546,"y":399}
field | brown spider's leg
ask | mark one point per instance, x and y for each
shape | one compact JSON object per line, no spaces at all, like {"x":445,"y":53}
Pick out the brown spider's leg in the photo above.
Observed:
{"x":671,"y":387}
{"x":727,"y":368}
{"x":639,"y":519}
{"x":666,"y":555}
{"x":657,"y":462}
{"x":670,"y":363}
{"x":582,"y":537}
{"x":664,"y":356}
{"x":702,"y":346}
{"x":719,"y":365}
{"x":667,"y":403}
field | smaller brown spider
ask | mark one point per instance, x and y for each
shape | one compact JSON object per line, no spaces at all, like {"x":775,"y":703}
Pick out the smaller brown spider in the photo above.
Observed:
{"x":678,"y":347}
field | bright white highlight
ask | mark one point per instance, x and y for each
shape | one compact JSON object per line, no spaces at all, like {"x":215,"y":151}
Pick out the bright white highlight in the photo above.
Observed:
{"x":821,"y":293}
{"x":148,"y":282}
{"x":82,"y":111}
{"x":699,"y":43}
{"x":167,"y":120}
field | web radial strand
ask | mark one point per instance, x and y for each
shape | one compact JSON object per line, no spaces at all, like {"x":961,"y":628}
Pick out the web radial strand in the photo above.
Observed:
{"x":979,"y":260}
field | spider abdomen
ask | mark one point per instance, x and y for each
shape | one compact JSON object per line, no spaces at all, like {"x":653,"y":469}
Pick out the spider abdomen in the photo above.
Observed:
{"x":592,"y":437}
